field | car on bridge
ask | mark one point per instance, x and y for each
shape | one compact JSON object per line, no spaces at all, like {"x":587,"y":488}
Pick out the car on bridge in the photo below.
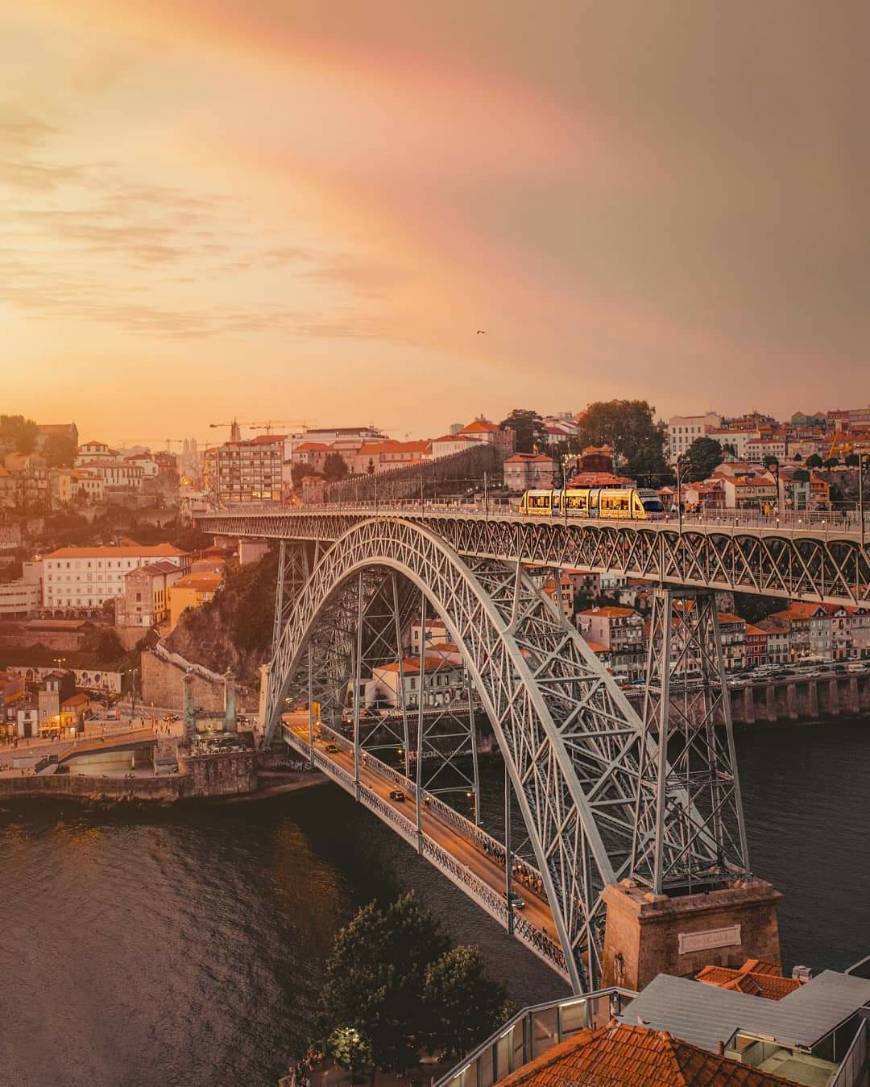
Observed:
{"x":397,"y":795}
{"x":515,"y":901}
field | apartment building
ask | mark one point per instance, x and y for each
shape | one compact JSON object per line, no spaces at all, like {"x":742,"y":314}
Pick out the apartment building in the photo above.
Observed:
{"x":441,"y":683}
{"x":620,"y":631}
{"x":145,"y":600}
{"x":86,"y":577}
{"x":685,"y":429}
{"x":246,"y":471}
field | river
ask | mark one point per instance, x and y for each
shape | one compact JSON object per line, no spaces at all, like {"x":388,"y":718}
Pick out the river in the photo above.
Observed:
{"x":183,"y":945}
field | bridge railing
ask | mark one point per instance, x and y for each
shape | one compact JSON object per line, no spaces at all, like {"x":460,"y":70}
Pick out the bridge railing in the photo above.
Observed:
{"x":531,"y":1032}
{"x":829,"y":523}
{"x":489,"y":899}
{"x":527,"y":873}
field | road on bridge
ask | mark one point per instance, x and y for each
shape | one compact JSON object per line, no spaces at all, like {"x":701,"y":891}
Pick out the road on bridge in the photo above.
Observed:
{"x":537,"y":910}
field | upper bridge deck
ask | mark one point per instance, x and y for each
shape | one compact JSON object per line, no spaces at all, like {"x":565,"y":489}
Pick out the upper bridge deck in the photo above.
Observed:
{"x":799,"y":556}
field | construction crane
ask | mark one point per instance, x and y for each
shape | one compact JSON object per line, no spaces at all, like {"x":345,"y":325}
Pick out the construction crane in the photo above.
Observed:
{"x":259,"y":424}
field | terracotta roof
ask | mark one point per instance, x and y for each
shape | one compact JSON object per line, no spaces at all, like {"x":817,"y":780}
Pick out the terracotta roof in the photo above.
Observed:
{"x":727,"y":617}
{"x":754,"y":977}
{"x":798,"y":609}
{"x":599,"y":479}
{"x":204,"y":582}
{"x":480,"y":426}
{"x":454,"y":438}
{"x":394,"y":446}
{"x":754,"y":630}
{"x":312,"y":447}
{"x":412,"y":664}
{"x":597,"y":647}
{"x":529,"y":458}
{"x":610,"y":611}
{"x":627,"y":1056}
{"x":153,"y":568}
{"x":136,"y":551}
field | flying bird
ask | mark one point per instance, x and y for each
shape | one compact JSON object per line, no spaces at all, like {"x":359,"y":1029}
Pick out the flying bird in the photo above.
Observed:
{"x":481,"y":332}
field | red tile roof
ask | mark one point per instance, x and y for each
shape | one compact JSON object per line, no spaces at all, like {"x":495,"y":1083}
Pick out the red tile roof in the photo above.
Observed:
{"x":754,"y":977}
{"x":480,"y":426}
{"x":156,"y":551}
{"x":627,"y":1056}
{"x":610,"y":611}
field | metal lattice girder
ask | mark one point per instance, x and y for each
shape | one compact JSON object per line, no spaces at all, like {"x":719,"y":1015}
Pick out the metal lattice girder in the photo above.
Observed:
{"x":567,"y":733}
{"x":812,"y":565}
{"x":690,"y":828}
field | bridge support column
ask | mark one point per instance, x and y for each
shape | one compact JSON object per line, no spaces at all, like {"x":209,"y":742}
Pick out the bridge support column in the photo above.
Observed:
{"x":229,"y":701}
{"x":690,"y":892}
{"x":189,"y":709}
{"x":689,"y":827}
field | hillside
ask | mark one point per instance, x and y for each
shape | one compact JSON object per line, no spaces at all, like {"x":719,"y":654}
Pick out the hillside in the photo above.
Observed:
{"x":234,"y":630}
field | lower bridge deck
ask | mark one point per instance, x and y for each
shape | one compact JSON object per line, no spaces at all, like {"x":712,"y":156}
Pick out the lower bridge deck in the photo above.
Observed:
{"x":463,"y":852}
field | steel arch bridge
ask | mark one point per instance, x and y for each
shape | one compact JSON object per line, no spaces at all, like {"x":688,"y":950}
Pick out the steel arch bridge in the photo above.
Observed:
{"x":570,"y":740}
{"x":599,"y":798}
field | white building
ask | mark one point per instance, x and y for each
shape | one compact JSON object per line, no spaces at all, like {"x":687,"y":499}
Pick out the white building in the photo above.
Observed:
{"x":85,"y":577}
{"x":735,"y":442}
{"x":684,"y":429}
{"x":442,"y":682}
{"x":19,"y":598}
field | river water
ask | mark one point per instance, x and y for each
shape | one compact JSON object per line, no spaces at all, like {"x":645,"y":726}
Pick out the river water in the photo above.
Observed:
{"x":182,"y":946}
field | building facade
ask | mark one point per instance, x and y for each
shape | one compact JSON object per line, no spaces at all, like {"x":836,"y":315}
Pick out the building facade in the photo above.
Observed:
{"x":86,"y":577}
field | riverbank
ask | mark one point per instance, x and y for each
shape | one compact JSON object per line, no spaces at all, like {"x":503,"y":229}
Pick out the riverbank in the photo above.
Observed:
{"x":216,"y":779}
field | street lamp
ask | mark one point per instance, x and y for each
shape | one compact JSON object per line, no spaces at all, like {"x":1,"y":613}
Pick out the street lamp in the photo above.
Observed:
{"x":680,"y":494}
{"x":861,"y":495}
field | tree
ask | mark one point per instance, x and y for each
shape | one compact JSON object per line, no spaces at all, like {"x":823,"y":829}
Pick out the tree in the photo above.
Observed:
{"x":59,"y":451}
{"x":700,"y":459}
{"x":350,"y":1050}
{"x":798,"y":459}
{"x":852,"y":460}
{"x":832,"y":462}
{"x":375,"y":974}
{"x":628,"y":426}
{"x":814,"y":461}
{"x":770,"y":462}
{"x":462,"y":1003}
{"x":17,"y":433}
{"x":299,"y":471}
{"x":334,"y":467}
{"x":528,"y":427}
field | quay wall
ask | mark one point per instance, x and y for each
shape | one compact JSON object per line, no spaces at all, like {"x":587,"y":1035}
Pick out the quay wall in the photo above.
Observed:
{"x":794,"y":698}
{"x":162,"y":679}
{"x":231,"y":773}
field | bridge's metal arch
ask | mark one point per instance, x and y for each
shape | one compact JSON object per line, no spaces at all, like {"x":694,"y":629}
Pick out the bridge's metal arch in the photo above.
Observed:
{"x":568,"y":735}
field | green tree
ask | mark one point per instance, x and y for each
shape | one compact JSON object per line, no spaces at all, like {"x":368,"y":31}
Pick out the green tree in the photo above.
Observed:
{"x":17,"y":433}
{"x":463,"y":1005}
{"x":769,"y":461}
{"x":375,"y":975}
{"x":814,"y":461}
{"x":59,"y":451}
{"x":350,"y":1050}
{"x":832,"y":462}
{"x":299,"y":471}
{"x":851,"y":460}
{"x":630,"y":429}
{"x":528,"y":427}
{"x":700,"y":459}
{"x":335,"y":467}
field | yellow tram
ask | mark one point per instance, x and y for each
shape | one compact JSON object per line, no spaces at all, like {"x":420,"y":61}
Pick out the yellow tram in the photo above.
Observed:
{"x":626,"y":503}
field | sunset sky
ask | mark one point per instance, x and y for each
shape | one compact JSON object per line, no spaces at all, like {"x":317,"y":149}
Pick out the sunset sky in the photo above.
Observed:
{"x":307,"y":208}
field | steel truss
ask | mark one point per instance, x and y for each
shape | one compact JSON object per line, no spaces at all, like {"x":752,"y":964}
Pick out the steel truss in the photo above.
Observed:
{"x":568,"y":735}
{"x":690,"y":829}
{"x":811,"y":566}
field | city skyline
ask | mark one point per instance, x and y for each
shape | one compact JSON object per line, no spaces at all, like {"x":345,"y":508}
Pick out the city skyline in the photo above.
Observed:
{"x":300,"y":212}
